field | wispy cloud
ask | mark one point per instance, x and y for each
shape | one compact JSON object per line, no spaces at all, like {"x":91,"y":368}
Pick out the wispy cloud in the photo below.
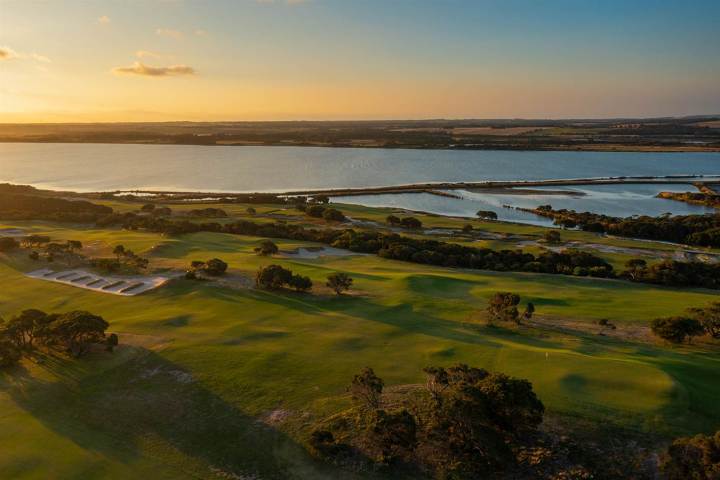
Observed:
{"x":147,"y":54}
{"x":169,"y":32}
{"x":104,"y":20}
{"x":139,"y":68}
{"x":7,"y":53}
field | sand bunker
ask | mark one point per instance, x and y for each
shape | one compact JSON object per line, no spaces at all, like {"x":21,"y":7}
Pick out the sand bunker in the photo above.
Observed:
{"x":125,"y":286}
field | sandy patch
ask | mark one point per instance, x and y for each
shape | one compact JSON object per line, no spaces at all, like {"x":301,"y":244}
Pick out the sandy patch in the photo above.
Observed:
{"x":124,"y":286}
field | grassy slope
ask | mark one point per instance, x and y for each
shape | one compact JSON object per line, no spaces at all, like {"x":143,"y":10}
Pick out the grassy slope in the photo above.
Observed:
{"x":251,"y":352}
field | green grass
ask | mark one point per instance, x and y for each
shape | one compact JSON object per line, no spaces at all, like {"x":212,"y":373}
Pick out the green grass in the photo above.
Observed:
{"x":249,"y":352}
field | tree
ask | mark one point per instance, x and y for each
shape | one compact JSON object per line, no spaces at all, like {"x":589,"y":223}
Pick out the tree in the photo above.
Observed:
{"x":77,"y":330}
{"x":321,"y":199}
{"x":634,"y":265}
{"x":148,"y":207}
{"x":709,"y":318}
{"x":215,"y":267}
{"x":503,"y":306}
{"x":272,"y":277}
{"x":119,"y":251}
{"x":692,"y":458}
{"x":23,"y":328}
{"x":250,"y":211}
{"x":266,"y":248}
{"x":487,"y":214}
{"x":467,"y":228}
{"x":300,"y":283}
{"x":676,"y":329}
{"x":366,"y":388}
{"x":339,"y":282}
{"x":333,"y":215}
{"x":477,"y":416}
{"x":529,"y":310}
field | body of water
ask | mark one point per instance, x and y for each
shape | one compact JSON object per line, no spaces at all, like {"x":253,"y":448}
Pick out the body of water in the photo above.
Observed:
{"x":101,"y":167}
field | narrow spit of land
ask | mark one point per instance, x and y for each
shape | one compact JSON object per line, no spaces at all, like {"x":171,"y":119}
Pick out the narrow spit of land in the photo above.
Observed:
{"x":436,"y":188}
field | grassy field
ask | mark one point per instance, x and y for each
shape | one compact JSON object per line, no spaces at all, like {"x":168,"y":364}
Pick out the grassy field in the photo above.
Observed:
{"x":214,"y":381}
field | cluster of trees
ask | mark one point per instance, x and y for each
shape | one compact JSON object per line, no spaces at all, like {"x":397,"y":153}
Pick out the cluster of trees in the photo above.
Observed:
{"x":696,"y":322}
{"x":51,"y":250}
{"x":391,"y":245}
{"x":266,"y":248}
{"x":275,"y":277}
{"x":327,"y":213}
{"x":694,"y":198}
{"x":125,"y":259}
{"x":32,"y":207}
{"x":486,"y":214}
{"x":503,"y":306}
{"x":466,"y":423}
{"x":702,"y":230}
{"x":73,"y":332}
{"x":153,"y":209}
{"x":434,"y":252}
{"x":213,"y":267}
{"x":673,"y":273}
{"x":207,"y":212}
{"x":692,"y":458}
{"x":405,"y":222}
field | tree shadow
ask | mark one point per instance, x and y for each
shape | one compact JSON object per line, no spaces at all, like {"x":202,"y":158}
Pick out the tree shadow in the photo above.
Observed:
{"x":148,"y":399}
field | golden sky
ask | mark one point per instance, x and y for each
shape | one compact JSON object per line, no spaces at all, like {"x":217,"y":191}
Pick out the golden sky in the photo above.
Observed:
{"x":157,"y":60}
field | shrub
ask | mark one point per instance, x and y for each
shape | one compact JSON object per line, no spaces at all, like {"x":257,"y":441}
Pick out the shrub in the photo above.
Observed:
{"x":215,"y":267}
{"x":676,"y":329}
{"x":411,"y":222}
{"x":315,"y":211}
{"x":692,"y":458}
{"x":266,"y":248}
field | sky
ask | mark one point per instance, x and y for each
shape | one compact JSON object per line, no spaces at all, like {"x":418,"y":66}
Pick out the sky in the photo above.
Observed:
{"x":222,"y":60}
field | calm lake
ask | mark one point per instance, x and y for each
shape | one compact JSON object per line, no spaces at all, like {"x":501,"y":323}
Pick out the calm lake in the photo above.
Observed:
{"x":96,"y":167}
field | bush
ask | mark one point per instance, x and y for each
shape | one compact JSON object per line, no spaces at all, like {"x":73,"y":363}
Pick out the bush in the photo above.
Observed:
{"x":300,"y":283}
{"x":692,"y":458}
{"x":266,"y":248}
{"x":676,"y":329}
{"x":215,"y":267}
